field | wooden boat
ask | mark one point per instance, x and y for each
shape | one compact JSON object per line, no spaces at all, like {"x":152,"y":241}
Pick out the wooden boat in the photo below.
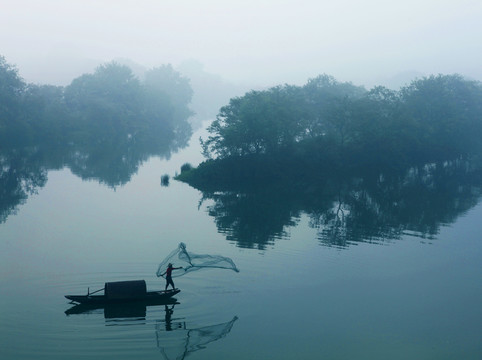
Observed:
{"x":124,"y":291}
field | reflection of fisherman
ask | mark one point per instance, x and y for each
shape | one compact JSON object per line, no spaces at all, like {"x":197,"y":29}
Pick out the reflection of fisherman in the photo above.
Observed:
{"x":168,"y":274}
{"x":169,"y":313}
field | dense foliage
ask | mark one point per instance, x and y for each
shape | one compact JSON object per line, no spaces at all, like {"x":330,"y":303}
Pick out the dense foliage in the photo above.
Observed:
{"x":438,"y":117}
{"x":109,"y":104}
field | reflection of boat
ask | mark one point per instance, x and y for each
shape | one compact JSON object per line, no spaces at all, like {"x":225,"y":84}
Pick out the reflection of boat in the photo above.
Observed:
{"x":133,"y":309}
{"x":122,"y":292}
{"x":175,"y":338}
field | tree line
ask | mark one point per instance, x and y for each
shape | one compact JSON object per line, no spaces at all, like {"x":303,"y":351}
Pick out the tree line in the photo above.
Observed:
{"x":330,"y":122}
{"x":108,"y":104}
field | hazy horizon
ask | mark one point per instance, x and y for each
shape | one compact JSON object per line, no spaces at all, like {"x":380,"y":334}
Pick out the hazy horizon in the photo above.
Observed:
{"x":260,"y":43}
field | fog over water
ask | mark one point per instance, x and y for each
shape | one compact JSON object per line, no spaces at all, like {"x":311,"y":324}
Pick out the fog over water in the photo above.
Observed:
{"x":353,"y":216}
{"x":258,"y":43}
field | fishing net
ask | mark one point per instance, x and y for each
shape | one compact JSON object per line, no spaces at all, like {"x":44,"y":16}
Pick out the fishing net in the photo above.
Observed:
{"x":193,"y":262}
{"x":179,"y":342}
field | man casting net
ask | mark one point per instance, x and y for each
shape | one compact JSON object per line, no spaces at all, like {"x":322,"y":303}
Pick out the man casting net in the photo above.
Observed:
{"x":187,"y":262}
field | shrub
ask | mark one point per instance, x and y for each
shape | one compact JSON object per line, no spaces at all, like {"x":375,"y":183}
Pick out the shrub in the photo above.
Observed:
{"x":186,"y":167}
{"x":165,"y":180}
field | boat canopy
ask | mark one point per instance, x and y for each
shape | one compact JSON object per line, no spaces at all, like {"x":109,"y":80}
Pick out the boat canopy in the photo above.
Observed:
{"x":125,"y":289}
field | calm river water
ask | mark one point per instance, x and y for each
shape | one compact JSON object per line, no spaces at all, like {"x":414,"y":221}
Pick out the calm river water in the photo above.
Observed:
{"x":401,"y":294}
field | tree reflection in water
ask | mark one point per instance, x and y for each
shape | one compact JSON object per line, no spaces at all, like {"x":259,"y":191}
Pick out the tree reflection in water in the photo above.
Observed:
{"x":345,"y":209}
{"x":21,"y":175}
{"x":110,"y":160}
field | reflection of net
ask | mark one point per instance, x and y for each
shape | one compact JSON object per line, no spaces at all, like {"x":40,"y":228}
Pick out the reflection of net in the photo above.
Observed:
{"x":181,"y":342}
{"x":192,"y":262}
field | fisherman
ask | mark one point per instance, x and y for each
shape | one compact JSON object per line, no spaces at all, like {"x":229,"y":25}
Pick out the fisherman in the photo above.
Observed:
{"x":168,"y":274}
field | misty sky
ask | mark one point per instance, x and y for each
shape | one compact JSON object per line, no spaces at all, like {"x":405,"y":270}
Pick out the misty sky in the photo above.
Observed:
{"x":256,"y":42}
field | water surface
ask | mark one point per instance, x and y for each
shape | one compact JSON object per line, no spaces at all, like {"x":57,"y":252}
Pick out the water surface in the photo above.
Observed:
{"x":404,"y":293}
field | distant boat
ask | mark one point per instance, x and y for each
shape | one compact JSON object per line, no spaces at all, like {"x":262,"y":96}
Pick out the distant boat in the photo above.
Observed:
{"x":122,"y":292}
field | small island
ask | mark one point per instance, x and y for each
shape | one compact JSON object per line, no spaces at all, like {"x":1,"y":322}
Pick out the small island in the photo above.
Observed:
{"x":299,"y":134}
